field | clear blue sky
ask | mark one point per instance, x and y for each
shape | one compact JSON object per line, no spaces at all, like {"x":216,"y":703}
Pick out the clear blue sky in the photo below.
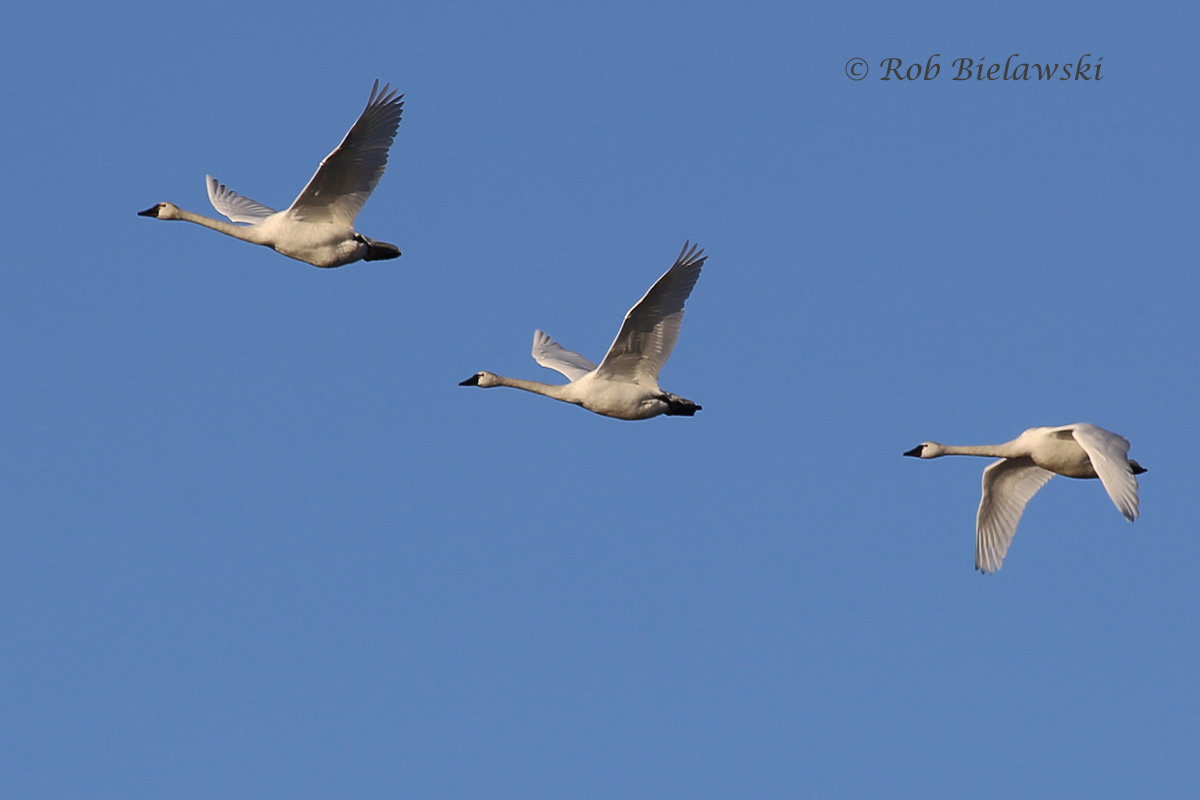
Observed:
{"x":255,"y":541}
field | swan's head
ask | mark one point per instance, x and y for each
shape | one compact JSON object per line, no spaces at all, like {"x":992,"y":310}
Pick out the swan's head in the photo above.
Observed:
{"x":161,"y":211}
{"x":484,"y":380}
{"x":926,"y":450}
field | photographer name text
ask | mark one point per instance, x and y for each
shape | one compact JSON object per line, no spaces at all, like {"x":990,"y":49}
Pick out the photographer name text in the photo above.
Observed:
{"x":1085,"y":68}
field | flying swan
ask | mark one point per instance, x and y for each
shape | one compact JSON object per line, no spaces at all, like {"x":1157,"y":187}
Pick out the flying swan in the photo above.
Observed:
{"x":1026,"y":463}
{"x":318,"y":228}
{"x":625,"y":385}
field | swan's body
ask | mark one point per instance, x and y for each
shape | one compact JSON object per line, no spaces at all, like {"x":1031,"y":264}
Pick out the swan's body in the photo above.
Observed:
{"x":1027,"y":463}
{"x":318,"y":228}
{"x":625,"y":384}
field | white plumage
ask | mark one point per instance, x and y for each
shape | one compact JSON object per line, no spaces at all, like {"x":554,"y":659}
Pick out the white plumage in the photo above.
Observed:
{"x":625,"y":384}
{"x":1026,"y":463}
{"x":318,"y":227}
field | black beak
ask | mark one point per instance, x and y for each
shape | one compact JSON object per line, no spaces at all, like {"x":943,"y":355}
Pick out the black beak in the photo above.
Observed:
{"x":471,"y":381}
{"x":152,"y":211}
{"x":916,"y":451}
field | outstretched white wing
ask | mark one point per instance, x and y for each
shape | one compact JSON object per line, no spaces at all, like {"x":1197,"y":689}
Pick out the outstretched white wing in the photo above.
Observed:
{"x":350,"y":173}
{"x":553,"y":355}
{"x":1008,"y":485}
{"x":1109,"y":454}
{"x":233,"y":205}
{"x":648,"y":334}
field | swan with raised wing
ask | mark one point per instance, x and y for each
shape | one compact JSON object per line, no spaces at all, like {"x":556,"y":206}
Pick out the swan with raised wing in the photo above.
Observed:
{"x":318,"y":228}
{"x":625,"y":384}
{"x":1027,"y":463}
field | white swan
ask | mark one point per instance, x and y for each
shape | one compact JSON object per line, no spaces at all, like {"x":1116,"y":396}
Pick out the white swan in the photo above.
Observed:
{"x":1027,"y":462}
{"x":625,"y":385}
{"x":318,"y":228}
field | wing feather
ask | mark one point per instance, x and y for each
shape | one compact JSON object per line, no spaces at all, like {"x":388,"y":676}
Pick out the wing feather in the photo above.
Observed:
{"x":1109,"y":454}
{"x":651,"y":327}
{"x":238,"y":208}
{"x":1008,"y":485}
{"x":350,"y":173}
{"x":552,"y":355}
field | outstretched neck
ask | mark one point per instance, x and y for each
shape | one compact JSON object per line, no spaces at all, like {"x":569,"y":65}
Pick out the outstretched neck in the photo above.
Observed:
{"x":557,"y":391}
{"x":1005,"y":450}
{"x":247,"y":233}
